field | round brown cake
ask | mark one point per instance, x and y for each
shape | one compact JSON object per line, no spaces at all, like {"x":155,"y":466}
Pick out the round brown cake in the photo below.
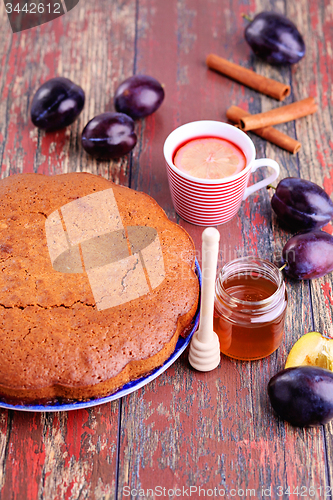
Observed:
{"x":96,"y":285}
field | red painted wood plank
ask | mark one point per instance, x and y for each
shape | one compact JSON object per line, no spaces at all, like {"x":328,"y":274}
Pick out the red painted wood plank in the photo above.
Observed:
{"x":59,"y":455}
{"x":90,"y":48}
{"x":215,"y":429}
{"x":62,"y":455}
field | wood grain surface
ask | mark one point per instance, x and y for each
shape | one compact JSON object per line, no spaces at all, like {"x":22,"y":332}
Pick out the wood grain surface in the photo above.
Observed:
{"x":186,"y":429}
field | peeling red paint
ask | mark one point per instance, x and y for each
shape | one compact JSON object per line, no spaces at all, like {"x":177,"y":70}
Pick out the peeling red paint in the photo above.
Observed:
{"x":328,"y":184}
{"x":327,"y":292}
{"x":320,"y":155}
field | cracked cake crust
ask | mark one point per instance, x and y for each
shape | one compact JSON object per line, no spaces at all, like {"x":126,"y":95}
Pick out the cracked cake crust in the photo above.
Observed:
{"x":79,"y":320}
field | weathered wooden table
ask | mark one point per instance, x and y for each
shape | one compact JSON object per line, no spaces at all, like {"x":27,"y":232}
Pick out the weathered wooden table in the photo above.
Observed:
{"x":186,"y":430}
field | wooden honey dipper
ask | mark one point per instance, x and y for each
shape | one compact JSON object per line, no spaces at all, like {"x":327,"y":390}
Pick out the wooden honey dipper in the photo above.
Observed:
{"x":204,"y":352}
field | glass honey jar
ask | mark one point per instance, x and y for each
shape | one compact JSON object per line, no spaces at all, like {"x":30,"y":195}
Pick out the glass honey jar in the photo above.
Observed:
{"x":249,"y":308}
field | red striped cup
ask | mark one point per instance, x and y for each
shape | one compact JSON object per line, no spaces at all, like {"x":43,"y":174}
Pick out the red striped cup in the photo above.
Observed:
{"x":207,"y":202}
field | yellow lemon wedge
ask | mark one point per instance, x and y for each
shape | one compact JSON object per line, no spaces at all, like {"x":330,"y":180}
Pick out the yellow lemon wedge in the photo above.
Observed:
{"x":312,"y":349}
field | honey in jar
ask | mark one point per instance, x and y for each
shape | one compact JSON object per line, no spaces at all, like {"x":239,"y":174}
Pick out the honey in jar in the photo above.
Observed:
{"x":249,"y":308}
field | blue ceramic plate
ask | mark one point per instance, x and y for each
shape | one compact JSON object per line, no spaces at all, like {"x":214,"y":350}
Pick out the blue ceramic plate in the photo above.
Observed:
{"x":127,"y":388}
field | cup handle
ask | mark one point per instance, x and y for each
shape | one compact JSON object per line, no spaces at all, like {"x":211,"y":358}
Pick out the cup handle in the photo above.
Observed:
{"x":262,"y":162}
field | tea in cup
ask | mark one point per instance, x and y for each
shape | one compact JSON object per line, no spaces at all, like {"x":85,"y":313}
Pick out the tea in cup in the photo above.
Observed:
{"x":209,"y":165}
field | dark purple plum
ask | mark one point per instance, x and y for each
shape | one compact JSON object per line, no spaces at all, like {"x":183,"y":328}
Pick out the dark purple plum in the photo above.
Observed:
{"x":139,"y":96}
{"x":56,"y":104}
{"x":308,"y":255}
{"x":301,"y":204}
{"x":274,"y":38}
{"x":109,"y":135}
{"x":302,"y":395}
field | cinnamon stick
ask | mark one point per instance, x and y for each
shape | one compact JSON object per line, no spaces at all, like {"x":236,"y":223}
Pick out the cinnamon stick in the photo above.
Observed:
{"x":284,"y":141}
{"x":247,"y":77}
{"x":283,"y":114}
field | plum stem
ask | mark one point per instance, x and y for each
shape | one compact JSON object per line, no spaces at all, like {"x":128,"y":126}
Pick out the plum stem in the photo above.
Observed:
{"x":282,"y":267}
{"x":247,"y":17}
{"x":269,"y":186}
